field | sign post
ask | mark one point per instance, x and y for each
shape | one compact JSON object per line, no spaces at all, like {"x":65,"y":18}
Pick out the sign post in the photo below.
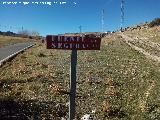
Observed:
{"x":72,"y":96}
{"x":73,"y":43}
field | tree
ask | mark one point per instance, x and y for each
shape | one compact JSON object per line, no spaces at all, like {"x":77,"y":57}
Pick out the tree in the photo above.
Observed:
{"x":34,"y":33}
{"x":24,"y":33}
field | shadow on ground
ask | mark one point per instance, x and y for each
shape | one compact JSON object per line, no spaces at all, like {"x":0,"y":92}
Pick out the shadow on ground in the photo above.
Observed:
{"x":31,"y":110}
{"x":13,"y":109}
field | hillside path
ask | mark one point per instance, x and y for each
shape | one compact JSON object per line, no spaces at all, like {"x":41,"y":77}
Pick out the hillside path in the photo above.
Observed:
{"x":149,"y":55}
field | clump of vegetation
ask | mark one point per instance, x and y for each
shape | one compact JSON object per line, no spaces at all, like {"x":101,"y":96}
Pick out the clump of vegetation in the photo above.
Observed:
{"x":41,"y":55}
{"x":9,"y":40}
{"x":155,"y":22}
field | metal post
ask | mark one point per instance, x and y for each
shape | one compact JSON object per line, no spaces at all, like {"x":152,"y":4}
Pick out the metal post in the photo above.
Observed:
{"x":72,"y":85}
{"x":80,"y":29}
{"x":122,"y":14}
{"x":102,"y":20}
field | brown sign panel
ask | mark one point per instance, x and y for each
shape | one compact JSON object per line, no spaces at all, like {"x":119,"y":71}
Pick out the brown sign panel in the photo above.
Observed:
{"x":73,"y":42}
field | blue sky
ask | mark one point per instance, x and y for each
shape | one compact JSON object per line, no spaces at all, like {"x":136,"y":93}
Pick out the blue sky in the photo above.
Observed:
{"x":64,"y":18}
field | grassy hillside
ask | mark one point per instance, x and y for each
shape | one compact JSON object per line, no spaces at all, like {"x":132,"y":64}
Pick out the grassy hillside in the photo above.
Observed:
{"x":8,"y":40}
{"x":114,"y":83}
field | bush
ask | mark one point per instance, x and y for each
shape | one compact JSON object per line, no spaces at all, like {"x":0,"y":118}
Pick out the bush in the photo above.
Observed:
{"x":155,"y":22}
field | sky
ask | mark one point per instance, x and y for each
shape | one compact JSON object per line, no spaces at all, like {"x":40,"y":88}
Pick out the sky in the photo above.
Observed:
{"x":65,"y":16}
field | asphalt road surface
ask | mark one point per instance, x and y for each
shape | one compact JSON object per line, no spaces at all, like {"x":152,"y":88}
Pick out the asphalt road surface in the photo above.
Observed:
{"x":10,"y":51}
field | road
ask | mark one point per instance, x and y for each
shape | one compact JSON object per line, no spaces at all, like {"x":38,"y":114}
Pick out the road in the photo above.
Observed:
{"x":12,"y":50}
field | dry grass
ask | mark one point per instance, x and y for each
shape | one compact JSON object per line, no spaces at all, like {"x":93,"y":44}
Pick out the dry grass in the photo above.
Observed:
{"x":152,"y":34}
{"x":8,"y":40}
{"x":111,"y":82}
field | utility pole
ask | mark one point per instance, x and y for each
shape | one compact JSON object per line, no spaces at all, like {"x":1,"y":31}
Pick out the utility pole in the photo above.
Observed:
{"x":122,"y":14}
{"x":80,"y":29}
{"x":102,"y":20}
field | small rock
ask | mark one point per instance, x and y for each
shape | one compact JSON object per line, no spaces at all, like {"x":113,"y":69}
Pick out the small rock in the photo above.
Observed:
{"x":67,"y":104}
{"x":87,"y":117}
{"x":94,"y":111}
{"x":63,"y":118}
